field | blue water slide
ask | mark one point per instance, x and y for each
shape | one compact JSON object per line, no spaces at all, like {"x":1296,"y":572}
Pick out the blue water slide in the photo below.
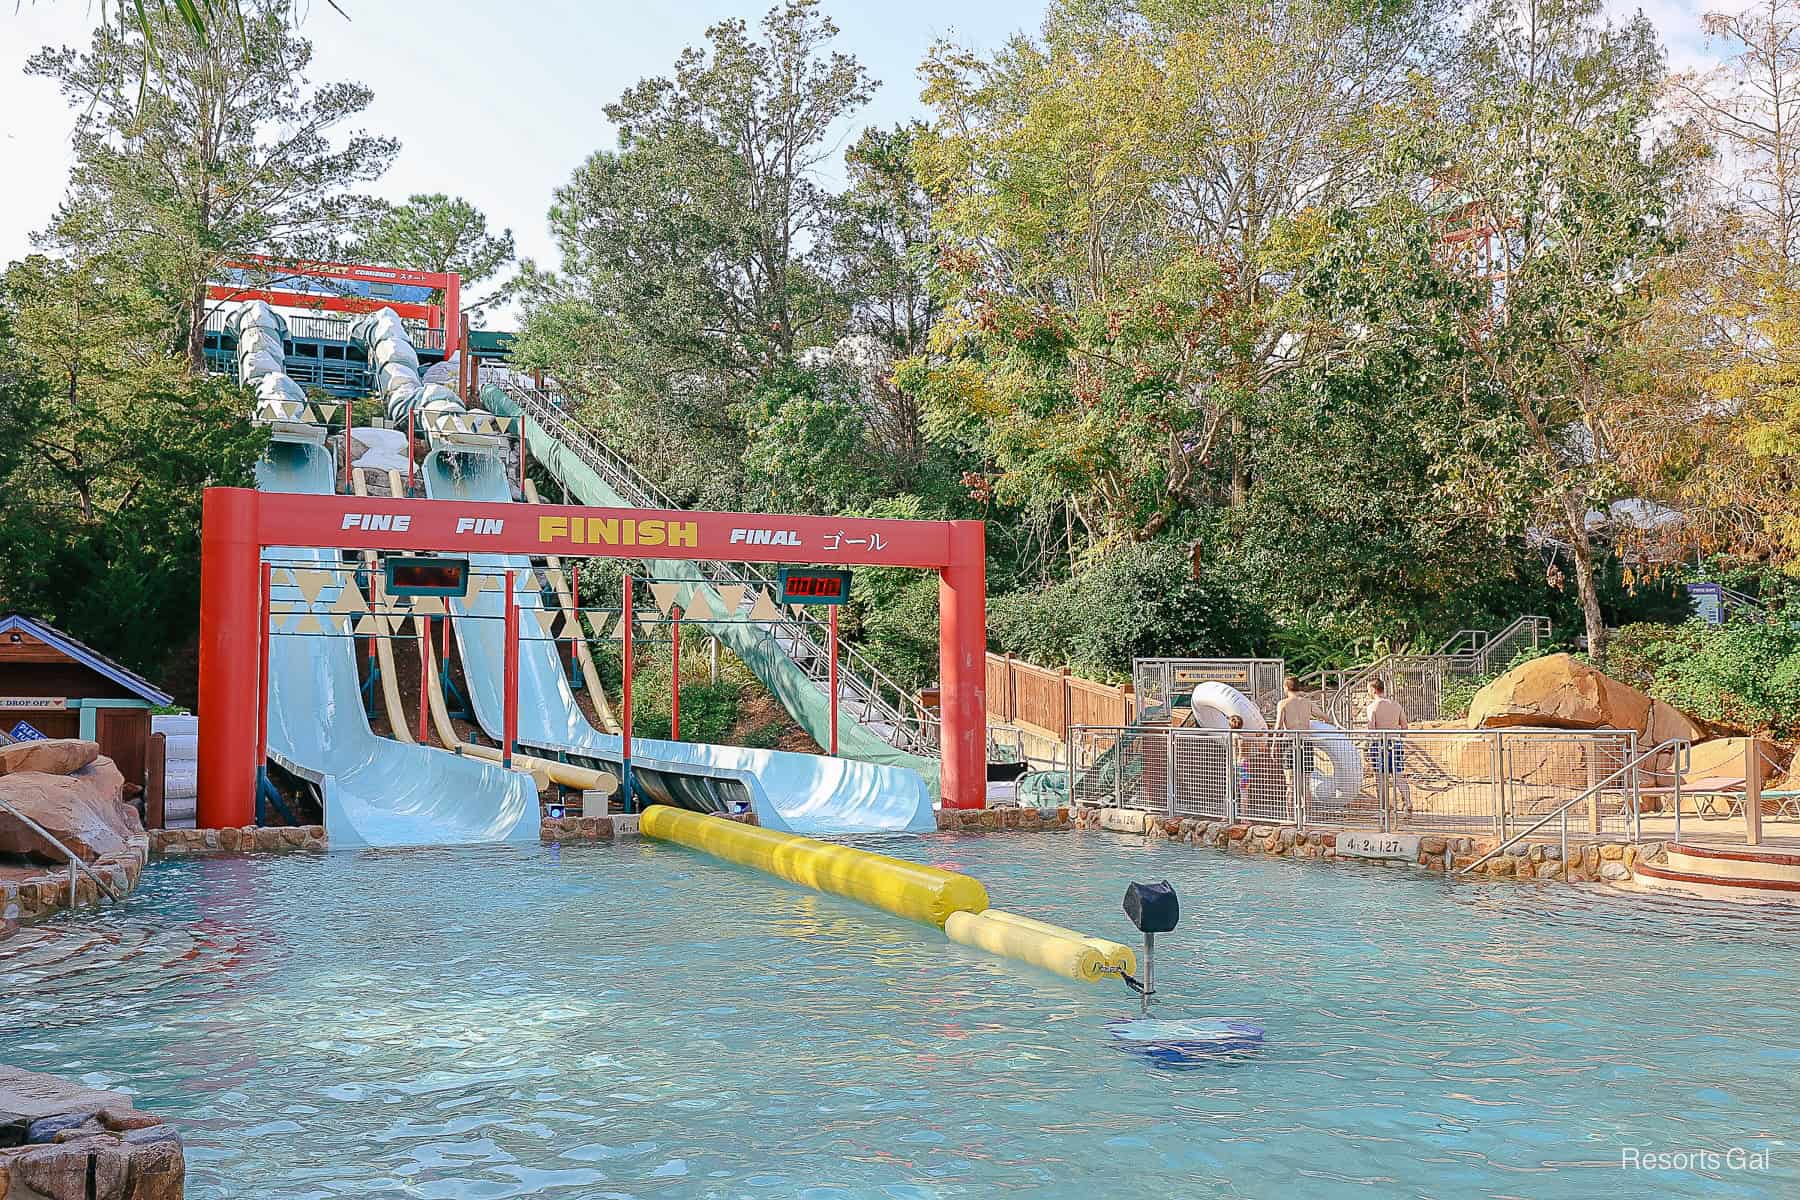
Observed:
{"x":377,"y":792}
{"x":798,"y":793}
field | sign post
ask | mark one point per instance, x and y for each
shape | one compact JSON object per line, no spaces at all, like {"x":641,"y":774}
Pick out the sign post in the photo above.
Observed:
{"x":675,"y":674}
{"x":625,"y":621}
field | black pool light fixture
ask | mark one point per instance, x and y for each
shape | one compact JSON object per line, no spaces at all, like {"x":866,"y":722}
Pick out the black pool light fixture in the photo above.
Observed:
{"x":1173,"y":1044}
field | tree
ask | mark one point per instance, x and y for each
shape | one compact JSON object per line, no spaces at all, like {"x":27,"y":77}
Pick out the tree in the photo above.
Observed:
{"x":691,"y":260}
{"x":1560,"y":201}
{"x":1117,"y":205}
{"x":223,"y":151}
{"x":109,"y":446}
{"x":434,"y":233}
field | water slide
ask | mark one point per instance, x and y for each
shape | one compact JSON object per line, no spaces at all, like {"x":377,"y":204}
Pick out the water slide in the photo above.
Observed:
{"x":795,"y":793}
{"x":867,"y":729}
{"x":377,"y":791}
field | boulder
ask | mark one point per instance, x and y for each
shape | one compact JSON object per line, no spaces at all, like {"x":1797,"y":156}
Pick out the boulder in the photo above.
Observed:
{"x":1558,"y":692}
{"x":49,"y":756}
{"x":84,"y":811}
{"x":1723,"y":758}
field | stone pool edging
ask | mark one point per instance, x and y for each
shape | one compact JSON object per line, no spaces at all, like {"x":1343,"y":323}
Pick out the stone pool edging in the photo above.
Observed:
{"x":1008,"y":819}
{"x":249,"y":839}
{"x":552,"y":830}
{"x":59,"y":1139}
{"x":46,"y":891}
{"x":1590,"y":862}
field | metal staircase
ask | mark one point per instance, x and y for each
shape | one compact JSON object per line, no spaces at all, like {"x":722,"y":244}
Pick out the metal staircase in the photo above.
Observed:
{"x":1416,"y":681}
{"x":866,"y":694}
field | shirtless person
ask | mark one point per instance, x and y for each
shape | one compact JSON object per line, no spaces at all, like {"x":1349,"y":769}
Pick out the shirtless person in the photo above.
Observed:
{"x":1294,"y":716}
{"x":1388,"y":753}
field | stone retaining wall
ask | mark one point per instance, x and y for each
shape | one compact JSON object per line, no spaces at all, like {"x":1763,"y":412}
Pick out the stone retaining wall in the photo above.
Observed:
{"x":62,"y":1141}
{"x":1008,"y":819}
{"x":45,"y":889}
{"x":174,"y":843}
{"x":575,"y":829}
{"x":1607,"y":862}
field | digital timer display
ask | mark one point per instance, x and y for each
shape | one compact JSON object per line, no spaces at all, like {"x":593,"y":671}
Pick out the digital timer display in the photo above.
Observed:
{"x":426,"y":576}
{"x":802,"y":585}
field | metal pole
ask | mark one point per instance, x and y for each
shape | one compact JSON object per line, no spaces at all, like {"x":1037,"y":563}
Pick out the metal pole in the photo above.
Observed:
{"x":262,"y":673}
{"x":511,"y":729}
{"x":625,"y":699}
{"x":1149,"y":971}
{"x":832,"y":680}
{"x":412,"y":431}
{"x":349,"y":419}
{"x":675,"y":674}
{"x":424,"y":674}
{"x":521,"y":454}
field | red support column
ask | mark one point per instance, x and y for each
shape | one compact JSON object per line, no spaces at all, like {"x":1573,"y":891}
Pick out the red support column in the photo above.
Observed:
{"x":452,"y":314}
{"x":521,"y":456}
{"x":625,"y":700}
{"x":962,"y":647}
{"x":424,"y":675}
{"x":229,"y":595}
{"x":412,"y":432}
{"x":675,"y":675}
{"x":511,"y":721}
{"x":832,"y":680}
{"x":262,"y":670}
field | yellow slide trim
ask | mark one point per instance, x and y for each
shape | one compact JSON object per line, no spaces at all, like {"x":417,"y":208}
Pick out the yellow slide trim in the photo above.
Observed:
{"x":583,"y":655}
{"x":398,"y":726}
{"x":544,"y":770}
{"x":1115,"y":954}
{"x":907,"y":889}
{"x":1067,"y":957}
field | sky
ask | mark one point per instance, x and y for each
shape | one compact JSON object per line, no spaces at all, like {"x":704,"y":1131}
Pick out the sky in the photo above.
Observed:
{"x":498,"y":102}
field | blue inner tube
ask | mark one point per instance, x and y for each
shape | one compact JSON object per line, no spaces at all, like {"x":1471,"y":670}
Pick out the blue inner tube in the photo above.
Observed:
{"x":1192,"y":1042}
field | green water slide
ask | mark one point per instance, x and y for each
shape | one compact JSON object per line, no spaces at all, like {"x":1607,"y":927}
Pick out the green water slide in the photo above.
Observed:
{"x":878,"y":721}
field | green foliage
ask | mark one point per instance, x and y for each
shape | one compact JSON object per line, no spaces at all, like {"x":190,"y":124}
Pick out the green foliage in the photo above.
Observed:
{"x":219,"y":150}
{"x":434,"y":233}
{"x":1139,"y":601}
{"x":1745,"y":675}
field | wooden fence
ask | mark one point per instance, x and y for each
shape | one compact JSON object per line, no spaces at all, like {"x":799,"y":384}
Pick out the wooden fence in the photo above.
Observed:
{"x":1049,"y":701}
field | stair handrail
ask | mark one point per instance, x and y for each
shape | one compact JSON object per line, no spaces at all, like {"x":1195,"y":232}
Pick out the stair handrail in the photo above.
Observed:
{"x":1677,"y":746}
{"x":912,"y":723}
{"x":75,"y":860}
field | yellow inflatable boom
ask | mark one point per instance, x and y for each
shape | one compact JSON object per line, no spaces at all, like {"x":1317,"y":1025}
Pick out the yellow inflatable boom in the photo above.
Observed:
{"x":1067,"y":956}
{"x":1116,"y":955}
{"x":904,"y":888}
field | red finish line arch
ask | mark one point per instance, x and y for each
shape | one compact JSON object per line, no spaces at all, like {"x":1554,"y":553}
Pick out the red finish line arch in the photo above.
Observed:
{"x":238,"y":524}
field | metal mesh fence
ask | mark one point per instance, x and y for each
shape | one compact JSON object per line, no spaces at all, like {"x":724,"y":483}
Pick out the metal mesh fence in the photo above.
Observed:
{"x":1482,"y":781}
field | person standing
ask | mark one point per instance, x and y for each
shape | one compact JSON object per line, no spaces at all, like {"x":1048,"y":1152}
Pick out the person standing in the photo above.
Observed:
{"x":1388,"y":753}
{"x":1293,"y":721}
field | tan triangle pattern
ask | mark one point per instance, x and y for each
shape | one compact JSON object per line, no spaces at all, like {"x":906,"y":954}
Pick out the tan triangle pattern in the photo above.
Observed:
{"x":311,"y":583}
{"x":370,"y":626}
{"x":428,"y":606}
{"x":281,"y":577}
{"x":664,"y":594}
{"x":700,"y":606}
{"x":349,"y":600}
{"x":308,"y":624}
{"x":764,"y":609}
{"x":618,"y":633}
{"x":546,"y":621}
{"x":731,"y":598}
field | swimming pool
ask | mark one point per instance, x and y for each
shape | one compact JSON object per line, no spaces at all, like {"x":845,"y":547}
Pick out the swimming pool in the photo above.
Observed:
{"x":641,"y":1021}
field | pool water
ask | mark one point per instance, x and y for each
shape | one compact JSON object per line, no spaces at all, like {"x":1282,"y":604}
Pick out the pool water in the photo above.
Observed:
{"x":642,"y":1021}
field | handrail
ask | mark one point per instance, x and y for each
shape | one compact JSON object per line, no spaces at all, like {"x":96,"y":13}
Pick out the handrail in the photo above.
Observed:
{"x":876,"y":700}
{"x":1562,"y":810}
{"x":75,"y":860}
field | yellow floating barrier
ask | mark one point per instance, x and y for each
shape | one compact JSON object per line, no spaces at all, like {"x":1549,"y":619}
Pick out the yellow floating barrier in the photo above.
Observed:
{"x":1116,"y":954}
{"x":907,"y":889}
{"x":1068,"y":957}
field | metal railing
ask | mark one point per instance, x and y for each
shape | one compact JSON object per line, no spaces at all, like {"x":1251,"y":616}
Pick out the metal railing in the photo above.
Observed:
{"x":75,"y":860}
{"x":1482,"y":781}
{"x":1673,"y":751}
{"x":866,"y":694}
{"x":1416,"y":681}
